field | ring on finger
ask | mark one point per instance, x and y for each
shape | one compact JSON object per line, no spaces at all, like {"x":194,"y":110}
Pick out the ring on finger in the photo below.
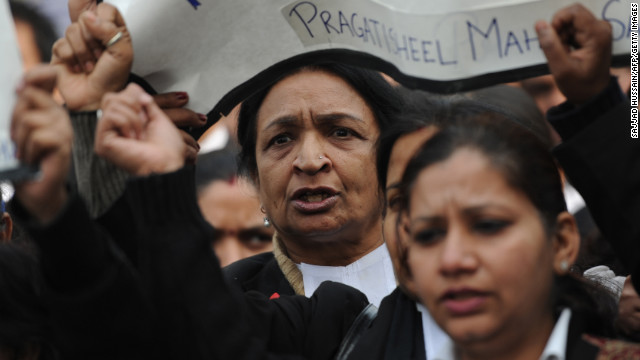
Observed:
{"x":114,"y":39}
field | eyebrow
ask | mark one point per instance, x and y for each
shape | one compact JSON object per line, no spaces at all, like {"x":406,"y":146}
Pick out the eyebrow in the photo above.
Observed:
{"x":336,"y":116}
{"x":289,"y":120}
{"x":394,"y":186}
{"x":286,"y":120}
{"x":467,"y":211}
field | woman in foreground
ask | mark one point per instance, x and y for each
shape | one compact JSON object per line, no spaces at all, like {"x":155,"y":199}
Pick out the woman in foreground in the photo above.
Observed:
{"x":489,"y":247}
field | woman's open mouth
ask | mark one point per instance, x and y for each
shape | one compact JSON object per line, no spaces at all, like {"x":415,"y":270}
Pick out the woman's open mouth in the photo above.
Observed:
{"x":314,"y":200}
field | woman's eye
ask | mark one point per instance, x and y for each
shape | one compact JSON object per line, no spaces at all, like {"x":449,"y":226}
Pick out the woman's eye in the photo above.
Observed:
{"x":280,"y":139}
{"x":258,"y":241}
{"x":428,"y":236}
{"x":489,"y":227}
{"x":393,"y":202}
{"x":342,"y":132}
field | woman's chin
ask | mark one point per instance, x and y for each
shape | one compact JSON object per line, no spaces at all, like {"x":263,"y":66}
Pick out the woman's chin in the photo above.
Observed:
{"x":468,"y":331}
{"x":317,"y":225}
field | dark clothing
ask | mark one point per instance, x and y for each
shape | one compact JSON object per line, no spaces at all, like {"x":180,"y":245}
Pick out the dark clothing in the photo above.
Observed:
{"x":585,"y":347}
{"x":260,"y":273}
{"x":94,"y":298}
{"x":602,"y":162}
{"x":396,"y":333}
{"x":204,"y":317}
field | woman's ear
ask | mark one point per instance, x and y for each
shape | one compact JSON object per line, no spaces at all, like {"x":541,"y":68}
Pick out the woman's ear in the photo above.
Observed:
{"x":566,"y":243}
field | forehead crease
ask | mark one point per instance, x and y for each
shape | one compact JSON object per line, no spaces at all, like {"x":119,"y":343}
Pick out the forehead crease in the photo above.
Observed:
{"x":283,"y":121}
{"x":335,"y":116}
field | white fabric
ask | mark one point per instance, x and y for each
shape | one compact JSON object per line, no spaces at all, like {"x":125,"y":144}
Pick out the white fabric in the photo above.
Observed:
{"x":572,"y":197}
{"x":372,"y":274}
{"x":216,"y":140}
{"x":607,"y":278}
{"x":557,"y":344}
{"x":434,"y":337}
{"x":555,"y":349}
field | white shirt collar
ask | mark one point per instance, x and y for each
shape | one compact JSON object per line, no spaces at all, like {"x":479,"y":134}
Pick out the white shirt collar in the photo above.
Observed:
{"x":555,"y":349}
{"x":434,"y":337}
{"x":372,"y":274}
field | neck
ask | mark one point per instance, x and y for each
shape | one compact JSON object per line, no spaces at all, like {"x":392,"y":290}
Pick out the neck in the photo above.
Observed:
{"x":527,"y":345}
{"x":333,"y":251}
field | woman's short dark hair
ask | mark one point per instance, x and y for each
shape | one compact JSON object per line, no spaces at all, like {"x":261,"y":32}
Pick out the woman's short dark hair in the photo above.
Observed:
{"x":383,"y":100}
{"x":429,"y":109}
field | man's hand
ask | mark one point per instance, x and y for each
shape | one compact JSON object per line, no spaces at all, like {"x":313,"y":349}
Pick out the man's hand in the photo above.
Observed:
{"x":135,"y":135}
{"x":628,"y":320}
{"x":87,"y":68}
{"x":578,"y":50}
{"x":42,"y":133}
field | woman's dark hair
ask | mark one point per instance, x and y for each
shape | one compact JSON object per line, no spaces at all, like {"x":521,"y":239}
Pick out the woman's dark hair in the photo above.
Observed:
{"x":522,"y":158}
{"x":519,"y":105}
{"x":428,"y":109}
{"x":528,"y":166}
{"x":416,"y":115}
{"x":383,"y":100}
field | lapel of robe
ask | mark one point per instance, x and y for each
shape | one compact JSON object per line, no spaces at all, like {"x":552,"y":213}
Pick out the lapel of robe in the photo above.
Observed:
{"x":406,"y":339}
{"x":577,"y":347}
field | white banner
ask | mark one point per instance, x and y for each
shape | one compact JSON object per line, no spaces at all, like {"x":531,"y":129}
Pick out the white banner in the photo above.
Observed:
{"x":220,"y":52}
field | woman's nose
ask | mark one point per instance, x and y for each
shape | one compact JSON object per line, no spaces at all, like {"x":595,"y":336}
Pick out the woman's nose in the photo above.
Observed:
{"x":311,"y":157}
{"x":458,"y":256}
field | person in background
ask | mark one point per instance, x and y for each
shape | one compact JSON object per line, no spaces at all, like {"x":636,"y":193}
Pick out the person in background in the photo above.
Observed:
{"x":593,"y":125}
{"x":230,"y":204}
{"x":85,"y":295}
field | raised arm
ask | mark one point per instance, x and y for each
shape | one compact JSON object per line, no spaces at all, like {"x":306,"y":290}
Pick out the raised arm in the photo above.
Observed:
{"x":203,"y":317}
{"x":598,"y":154}
{"x":94,"y":58}
{"x":91,"y":294}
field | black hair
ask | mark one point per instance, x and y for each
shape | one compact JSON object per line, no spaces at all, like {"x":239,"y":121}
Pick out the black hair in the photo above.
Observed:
{"x":522,"y":158}
{"x":528,"y":166}
{"x":429,"y":109}
{"x":420,"y":108}
{"x":383,"y":100}
{"x":43,"y":30}
{"x":216,"y":165}
{"x":519,"y":105}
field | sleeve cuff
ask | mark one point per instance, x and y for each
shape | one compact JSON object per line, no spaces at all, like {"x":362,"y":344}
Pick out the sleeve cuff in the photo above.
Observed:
{"x":569,"y":119}
{"x":100,"y":183}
